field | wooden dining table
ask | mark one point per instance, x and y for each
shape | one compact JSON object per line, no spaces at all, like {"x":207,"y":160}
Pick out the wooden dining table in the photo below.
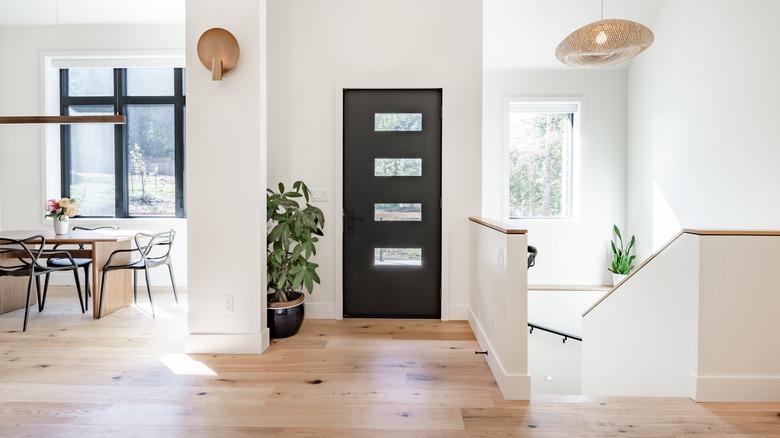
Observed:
{"x":98,"y":245}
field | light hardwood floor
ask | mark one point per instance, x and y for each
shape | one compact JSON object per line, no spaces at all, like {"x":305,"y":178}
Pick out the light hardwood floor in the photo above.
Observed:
{"x":72,"y":376}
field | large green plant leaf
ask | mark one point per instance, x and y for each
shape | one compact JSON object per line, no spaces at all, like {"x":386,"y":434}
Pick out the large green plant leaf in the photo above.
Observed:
{"x":293,"y":227}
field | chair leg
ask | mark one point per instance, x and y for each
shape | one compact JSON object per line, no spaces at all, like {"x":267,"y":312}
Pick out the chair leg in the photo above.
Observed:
{"x":149,"y":290}
{"x":102,"y":286}
{"x":78,"y":288}
{"x":87,"y":293}
{"x":173,"y":283}
{"x":42,"y":302}
{"x":29,"y":298}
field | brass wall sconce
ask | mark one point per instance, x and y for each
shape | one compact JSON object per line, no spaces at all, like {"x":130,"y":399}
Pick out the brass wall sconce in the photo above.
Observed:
{"x":218,"y":51}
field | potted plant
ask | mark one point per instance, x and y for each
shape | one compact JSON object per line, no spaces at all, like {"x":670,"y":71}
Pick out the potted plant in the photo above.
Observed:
{"x":291,"y":242}
{"x":622,"y":260}
{"x":61,"y":211}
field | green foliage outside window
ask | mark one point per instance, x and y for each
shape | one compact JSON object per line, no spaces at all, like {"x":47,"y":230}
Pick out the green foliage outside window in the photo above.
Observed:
{"x":152,"y":102}
{"x":539,"y":164}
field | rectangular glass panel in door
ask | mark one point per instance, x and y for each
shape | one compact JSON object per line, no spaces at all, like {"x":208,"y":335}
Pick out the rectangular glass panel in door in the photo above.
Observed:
{"x":392,"y":193}
{"x":398,"y":256}
{"x":397,"y":167}
{"x":398,"y":212}
{"x":397,"y":122}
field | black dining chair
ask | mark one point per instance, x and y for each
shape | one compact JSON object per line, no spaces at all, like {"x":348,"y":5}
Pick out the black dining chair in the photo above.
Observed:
{"x":23,"y":259}
{"x":151,"y":251}
{"x":532,"y":252}
{"x":82,"y":262}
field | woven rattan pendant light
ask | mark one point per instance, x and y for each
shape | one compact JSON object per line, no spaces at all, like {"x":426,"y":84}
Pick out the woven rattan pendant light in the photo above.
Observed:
{"x":604,"y":43}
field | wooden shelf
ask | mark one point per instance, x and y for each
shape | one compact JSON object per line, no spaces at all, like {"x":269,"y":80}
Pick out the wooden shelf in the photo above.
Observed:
{"x":62,"y":120}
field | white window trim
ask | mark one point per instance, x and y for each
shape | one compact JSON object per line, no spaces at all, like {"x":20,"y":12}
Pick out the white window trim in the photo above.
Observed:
{"x":51,"y":63}
{"x":543,"y":102}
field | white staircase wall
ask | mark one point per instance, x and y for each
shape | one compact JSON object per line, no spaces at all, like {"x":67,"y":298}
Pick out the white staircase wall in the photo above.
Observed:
{"x":700,"y":320}
{"x":641,"y":340}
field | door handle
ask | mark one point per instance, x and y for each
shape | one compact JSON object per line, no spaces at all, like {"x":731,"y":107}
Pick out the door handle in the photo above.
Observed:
{"x":349,"y":223}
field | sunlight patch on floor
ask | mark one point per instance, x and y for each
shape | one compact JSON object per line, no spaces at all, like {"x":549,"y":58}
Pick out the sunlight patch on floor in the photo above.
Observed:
{"x":183,"y":365}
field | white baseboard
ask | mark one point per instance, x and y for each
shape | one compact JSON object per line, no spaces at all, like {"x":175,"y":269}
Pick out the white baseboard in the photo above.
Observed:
{"x":320,"y":311}
{"x":737,"y":389}
{"x":459,"y":312}
{"x":512,"y":386}
{"x":227,"y":343}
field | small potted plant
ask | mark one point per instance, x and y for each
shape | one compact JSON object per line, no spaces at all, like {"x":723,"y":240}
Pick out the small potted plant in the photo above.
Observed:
{"x":61,"y":210}
{"x":291,"y":242}
{"x":622,"y":260}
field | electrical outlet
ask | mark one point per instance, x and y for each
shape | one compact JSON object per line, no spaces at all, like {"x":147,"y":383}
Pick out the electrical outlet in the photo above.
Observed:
{"x":500,"y":257}
{"x":227,"y":303}
{"x":548,"y":378}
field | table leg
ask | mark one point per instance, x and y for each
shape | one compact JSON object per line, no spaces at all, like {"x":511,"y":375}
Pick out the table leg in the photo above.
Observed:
{"x":119,"y":288}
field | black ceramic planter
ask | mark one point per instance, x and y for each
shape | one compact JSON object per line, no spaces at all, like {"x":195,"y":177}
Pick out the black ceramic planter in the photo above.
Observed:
{"x":285,"y":319}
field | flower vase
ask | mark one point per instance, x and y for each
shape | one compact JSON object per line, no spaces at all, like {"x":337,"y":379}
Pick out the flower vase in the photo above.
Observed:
{"x":60,"y":225}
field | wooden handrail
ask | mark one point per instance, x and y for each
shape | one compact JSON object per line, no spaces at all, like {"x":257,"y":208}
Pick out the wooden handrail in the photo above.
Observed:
{"x":685,"y":231}
{"x":732,"y":232}
{"x":569,"y":287}
{"x":498,"y":226}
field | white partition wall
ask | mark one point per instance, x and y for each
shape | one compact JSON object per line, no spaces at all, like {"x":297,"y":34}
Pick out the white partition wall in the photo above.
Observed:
{"x":226,"y":174}
{"x":498,"y":303}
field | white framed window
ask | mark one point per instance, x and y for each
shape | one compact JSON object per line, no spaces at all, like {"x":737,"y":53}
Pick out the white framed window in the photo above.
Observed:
{"x":541,"y":143}
{"x":119,"y":171}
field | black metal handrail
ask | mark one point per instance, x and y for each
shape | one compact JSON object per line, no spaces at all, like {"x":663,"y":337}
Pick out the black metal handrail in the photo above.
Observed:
{"x":555,"y":332}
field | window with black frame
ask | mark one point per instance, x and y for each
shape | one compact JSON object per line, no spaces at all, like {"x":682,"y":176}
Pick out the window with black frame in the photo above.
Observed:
{"x":131,"y":170}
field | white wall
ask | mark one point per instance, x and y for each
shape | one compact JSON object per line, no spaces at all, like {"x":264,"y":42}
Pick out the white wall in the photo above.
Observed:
{"x":318,"y":47}
{"x":23,"y":173}
{"x":226,"y":175}
{"x":571,"y":252}
{"x":703,"y":115}
{"x":738,"y":304}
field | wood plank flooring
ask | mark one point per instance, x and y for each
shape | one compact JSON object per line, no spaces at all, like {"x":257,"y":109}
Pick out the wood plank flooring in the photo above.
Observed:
{"x":126,"y":376}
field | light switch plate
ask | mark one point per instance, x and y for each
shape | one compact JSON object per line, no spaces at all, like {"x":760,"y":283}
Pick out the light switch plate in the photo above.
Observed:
{"x":319,"y":195}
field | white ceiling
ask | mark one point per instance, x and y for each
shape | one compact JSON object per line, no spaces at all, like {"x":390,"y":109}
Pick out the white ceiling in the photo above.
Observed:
{"x":518,"y":34}
{"x":523,"y":34}
{"x":66,"y":12}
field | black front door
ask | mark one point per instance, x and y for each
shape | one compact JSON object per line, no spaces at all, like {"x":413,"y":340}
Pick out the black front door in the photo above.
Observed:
{"x":392,"y":203}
